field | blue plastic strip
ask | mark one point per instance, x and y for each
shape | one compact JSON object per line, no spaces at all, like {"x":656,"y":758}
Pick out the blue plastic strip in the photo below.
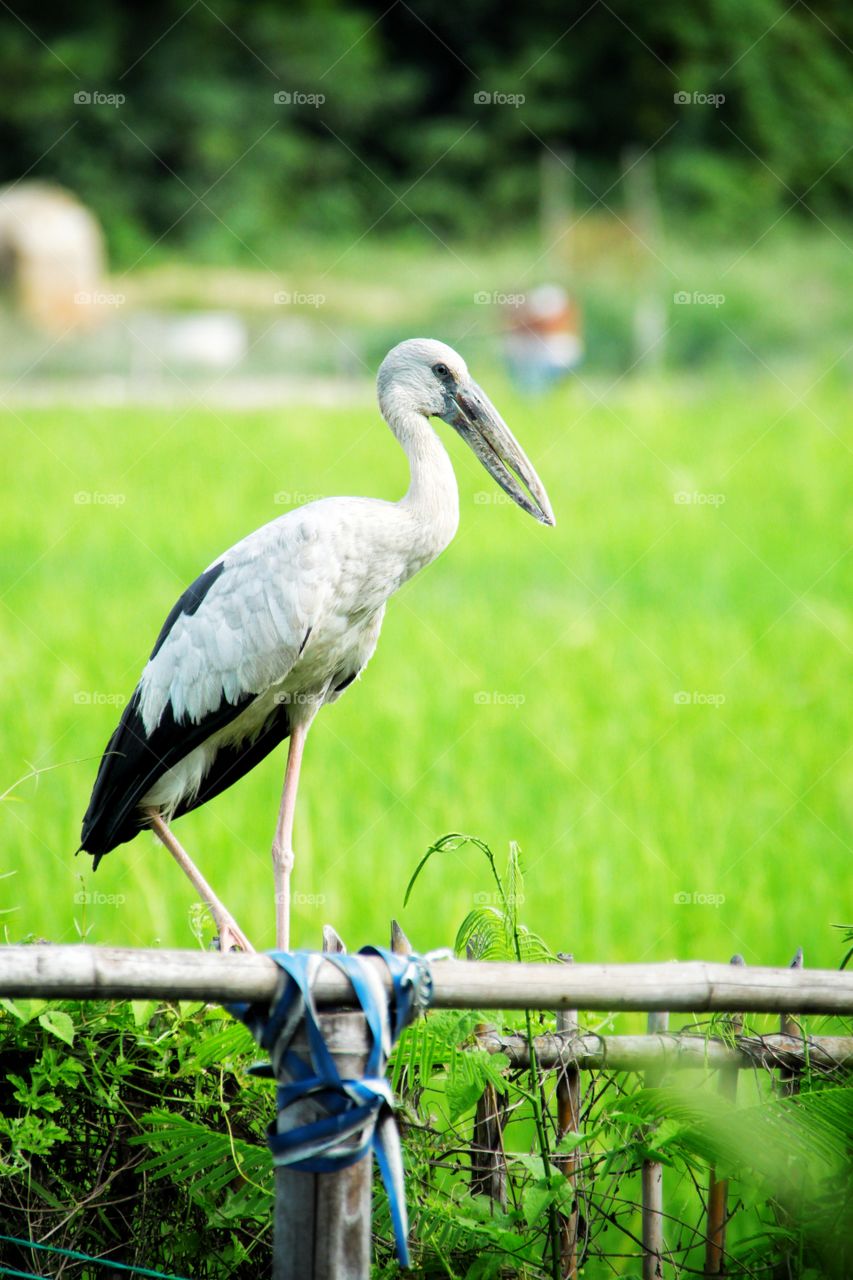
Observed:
{"x":358,"y":1114}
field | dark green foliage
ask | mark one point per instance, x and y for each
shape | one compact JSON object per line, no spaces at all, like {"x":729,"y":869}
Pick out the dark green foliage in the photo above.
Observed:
{"x":95,"y":1095}
{"x":200,"y":150}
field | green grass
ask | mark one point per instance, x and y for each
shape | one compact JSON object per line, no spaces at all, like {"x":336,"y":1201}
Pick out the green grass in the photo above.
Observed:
{"x":621,"y":798}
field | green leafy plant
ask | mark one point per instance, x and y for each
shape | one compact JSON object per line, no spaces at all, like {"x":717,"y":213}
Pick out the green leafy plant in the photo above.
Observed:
{"x":132,"y":1132}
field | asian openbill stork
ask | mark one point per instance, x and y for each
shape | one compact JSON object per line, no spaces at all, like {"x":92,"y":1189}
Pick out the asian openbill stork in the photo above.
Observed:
{"x":284,"y":622}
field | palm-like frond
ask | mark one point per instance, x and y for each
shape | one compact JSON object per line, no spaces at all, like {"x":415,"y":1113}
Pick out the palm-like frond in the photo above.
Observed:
{"x":792,"y":1143}
{"x":211,"y":1163}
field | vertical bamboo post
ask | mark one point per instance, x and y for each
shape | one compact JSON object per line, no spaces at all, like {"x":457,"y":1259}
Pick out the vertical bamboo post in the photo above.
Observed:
{"x":652,"y":1178}
{"x":556,"y":198}
{"x":400,"y":944}
{"x":718,"y":1188}
{"x":644,"y":215}
{"x":332,"y":940}
{"x":488,"y":1166}
{"x":568,"y":1121}
{"x":321,"y":1224}
{"x":409,"y":1094}
{"x":789,"y":1077}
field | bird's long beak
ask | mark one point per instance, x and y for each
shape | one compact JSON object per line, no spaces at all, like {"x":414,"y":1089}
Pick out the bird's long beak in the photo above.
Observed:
{"x":472,"y":414}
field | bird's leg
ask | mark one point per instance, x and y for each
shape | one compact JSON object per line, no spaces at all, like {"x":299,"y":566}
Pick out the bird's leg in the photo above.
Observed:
{"x":230,"y":934}
{"x":282,"y":845}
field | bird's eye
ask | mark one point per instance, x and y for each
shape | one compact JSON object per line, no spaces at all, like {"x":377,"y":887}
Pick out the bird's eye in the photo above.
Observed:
{"x":440,"y":370}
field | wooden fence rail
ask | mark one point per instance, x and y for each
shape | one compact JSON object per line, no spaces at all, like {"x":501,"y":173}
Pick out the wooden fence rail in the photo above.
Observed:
{"x":96,"y":973}
{"x":590,"y":1052}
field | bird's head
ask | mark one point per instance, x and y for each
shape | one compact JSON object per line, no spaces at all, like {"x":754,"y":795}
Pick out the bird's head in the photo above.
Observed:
{"x":427,"y":377}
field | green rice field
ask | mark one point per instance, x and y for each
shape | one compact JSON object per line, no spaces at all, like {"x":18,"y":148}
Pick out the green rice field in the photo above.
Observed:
{"x":652,"y":699}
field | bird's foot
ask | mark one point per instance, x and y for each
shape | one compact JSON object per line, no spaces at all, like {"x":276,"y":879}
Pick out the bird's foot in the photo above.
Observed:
{"x":231,"y":936}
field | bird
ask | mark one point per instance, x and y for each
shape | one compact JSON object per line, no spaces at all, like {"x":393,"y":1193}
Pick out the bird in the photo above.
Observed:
{"x":283,"y":623}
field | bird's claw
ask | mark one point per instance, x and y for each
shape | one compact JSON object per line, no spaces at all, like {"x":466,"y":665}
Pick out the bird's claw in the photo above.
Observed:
{"x":231,"y":938}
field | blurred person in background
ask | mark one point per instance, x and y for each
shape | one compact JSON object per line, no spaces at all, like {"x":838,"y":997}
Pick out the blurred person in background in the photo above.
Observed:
{"x":544,"y":341}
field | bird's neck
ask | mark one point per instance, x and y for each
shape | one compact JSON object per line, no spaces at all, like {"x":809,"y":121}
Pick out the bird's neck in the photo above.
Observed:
{"x":432,"y":499}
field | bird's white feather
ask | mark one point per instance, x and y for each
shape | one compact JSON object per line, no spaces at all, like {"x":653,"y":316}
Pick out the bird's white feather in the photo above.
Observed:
{"x":296,"y":608}
{"x":298,"y":604}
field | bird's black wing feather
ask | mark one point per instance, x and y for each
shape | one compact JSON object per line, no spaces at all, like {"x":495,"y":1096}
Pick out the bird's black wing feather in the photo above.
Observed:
{"x":134,"y":760}
{"x":189,"y":601}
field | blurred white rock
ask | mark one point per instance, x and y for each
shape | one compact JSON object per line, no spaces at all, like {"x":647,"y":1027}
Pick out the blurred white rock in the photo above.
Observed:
{"x":206,"y":339}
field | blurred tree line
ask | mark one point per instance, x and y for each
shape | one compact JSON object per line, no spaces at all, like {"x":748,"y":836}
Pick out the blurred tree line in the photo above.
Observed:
{"x":327,"y":116}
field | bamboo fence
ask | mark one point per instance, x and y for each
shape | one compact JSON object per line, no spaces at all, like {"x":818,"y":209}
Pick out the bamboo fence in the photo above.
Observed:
{"x":322,"y":1220}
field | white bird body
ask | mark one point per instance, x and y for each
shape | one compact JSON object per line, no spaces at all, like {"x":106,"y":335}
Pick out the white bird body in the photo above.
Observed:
{"x":295,"y":614}
{"x":287,"y":618}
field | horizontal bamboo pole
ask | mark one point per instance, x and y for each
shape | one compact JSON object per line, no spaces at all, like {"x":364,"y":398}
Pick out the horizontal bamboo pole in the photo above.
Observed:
{"x":96,"y":973}
{"x":638,"y":1053}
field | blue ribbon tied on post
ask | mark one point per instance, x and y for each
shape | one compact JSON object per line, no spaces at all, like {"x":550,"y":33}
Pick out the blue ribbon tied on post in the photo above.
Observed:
{"x":355,"y":1115}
